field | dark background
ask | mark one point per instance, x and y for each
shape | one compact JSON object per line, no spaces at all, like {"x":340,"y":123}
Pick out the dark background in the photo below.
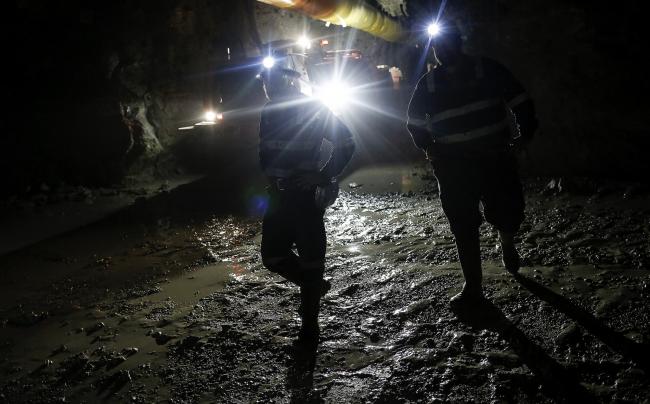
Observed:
{"x":72,"y":68}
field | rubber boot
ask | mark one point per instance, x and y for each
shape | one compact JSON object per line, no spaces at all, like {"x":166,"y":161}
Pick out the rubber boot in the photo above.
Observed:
{"x":287,"y":267}
{"x":290,"y":269}
{"x":510,"y":257}
{"x":310,"y":294}
{"x":469,"y":255}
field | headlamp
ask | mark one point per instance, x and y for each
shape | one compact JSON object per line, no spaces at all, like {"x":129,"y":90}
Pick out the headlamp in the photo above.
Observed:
{"x":268,"y":62}
{"x":335,"y":95}
{"x":433,"y":29}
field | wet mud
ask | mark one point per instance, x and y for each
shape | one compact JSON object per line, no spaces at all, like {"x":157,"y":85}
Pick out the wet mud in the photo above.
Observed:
{"x":187,"y":313}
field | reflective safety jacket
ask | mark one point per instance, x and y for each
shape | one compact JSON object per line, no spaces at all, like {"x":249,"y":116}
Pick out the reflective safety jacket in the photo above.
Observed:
{"x":291,"y":135}
{"x":478,"y":106}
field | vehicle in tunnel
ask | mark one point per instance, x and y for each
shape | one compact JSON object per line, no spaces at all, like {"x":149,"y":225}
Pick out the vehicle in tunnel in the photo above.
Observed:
{"x":334,"y":76}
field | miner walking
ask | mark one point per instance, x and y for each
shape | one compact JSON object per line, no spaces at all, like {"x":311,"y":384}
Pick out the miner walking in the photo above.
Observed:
{"x":468,"y":113}
{"x":292,"y":129}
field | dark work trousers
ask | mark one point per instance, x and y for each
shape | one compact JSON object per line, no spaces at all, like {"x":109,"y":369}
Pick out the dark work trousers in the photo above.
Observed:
{"x":467,"y":180}
{"x":292,"y":218}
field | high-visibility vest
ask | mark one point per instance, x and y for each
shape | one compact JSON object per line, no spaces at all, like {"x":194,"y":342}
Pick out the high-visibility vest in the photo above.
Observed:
{"x":291,"y":136}
{"x":479,"y":109}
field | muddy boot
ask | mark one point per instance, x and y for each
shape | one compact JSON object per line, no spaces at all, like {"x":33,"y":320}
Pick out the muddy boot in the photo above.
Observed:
{"x":469,"y":254}
{"x":469,"y":297}
{"x":310,"y":293}
{"x":287,"y":267}
{"x":510,"y":255}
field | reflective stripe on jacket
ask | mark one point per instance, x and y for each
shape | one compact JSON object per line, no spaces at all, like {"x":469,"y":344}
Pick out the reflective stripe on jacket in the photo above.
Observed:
{"x":468,"y":106}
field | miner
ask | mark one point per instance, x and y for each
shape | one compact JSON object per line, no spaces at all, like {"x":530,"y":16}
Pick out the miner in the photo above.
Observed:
{"x":292,"y":129}
{"x":469,"y":114}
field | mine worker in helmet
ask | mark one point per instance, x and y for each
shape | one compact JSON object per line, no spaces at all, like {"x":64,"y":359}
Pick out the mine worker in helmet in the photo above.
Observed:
{"x":467,"y":113}
{"x":292,"y":129}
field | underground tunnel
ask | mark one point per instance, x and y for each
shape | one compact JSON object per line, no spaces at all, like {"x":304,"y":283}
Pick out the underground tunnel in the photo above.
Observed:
{"x":325,"y":201}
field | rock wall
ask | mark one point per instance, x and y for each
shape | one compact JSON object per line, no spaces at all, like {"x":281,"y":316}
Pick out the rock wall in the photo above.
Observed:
{"x":97,"y":89}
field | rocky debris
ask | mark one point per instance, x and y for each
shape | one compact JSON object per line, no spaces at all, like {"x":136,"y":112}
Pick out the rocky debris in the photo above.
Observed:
{"x":95,"y":327}
{"x":350,"y":290}
{"x":61,"y":349}
{"x":160,"y":337}
{"x":569,"y":335}
{"x":130,"y":351}
{"x":23,"y":319}
{"x":462,"y":341}
{"x":412,"y":308}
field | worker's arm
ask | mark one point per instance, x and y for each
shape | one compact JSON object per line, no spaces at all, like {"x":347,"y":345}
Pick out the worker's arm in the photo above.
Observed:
{"x":518,"y":100}
{"x":417,"y":115}
{"x":343,"y":146}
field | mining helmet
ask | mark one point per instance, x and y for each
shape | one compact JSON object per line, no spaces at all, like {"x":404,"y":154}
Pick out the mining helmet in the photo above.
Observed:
{"x":279,"y":81}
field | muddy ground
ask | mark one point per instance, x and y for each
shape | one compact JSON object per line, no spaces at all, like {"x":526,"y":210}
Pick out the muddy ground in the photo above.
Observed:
{"x":153,"y":307}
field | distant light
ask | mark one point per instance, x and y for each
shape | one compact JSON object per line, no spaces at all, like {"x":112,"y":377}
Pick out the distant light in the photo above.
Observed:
{"x":304,"y":42}
{"x":324,"y":42}
{"x":433,"y":29}
{"x":268,"y":62}
{"x":210,"y":116}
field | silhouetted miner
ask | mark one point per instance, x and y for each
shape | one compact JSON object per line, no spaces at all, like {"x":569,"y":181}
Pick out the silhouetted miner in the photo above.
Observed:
{"x":468,"y":113}
{"x":292,"y":129}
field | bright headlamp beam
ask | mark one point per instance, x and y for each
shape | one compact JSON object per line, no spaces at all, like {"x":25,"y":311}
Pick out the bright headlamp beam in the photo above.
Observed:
{"x":335,"y":95}
{"x":433,"y":29}
{"x":268,"y":62}
{"x":210,"y":116}
{"x":304,"y":42}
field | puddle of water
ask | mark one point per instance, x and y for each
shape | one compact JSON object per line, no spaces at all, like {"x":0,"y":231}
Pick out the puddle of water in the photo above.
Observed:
{"x":119,"y":331}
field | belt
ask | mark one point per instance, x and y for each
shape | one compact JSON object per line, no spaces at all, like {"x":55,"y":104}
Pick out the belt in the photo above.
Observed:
{"x":283,"y":184}
{"x":286,"y":184}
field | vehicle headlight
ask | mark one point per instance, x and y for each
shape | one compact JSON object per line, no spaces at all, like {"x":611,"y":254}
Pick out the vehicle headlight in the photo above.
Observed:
{"x":210,"y":116}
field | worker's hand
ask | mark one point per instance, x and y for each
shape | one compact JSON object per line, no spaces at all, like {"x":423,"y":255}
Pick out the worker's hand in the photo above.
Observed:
{"x":311,"y":179}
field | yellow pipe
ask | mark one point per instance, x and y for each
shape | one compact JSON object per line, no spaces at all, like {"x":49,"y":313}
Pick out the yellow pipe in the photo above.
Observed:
{"x":351,"y":13}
